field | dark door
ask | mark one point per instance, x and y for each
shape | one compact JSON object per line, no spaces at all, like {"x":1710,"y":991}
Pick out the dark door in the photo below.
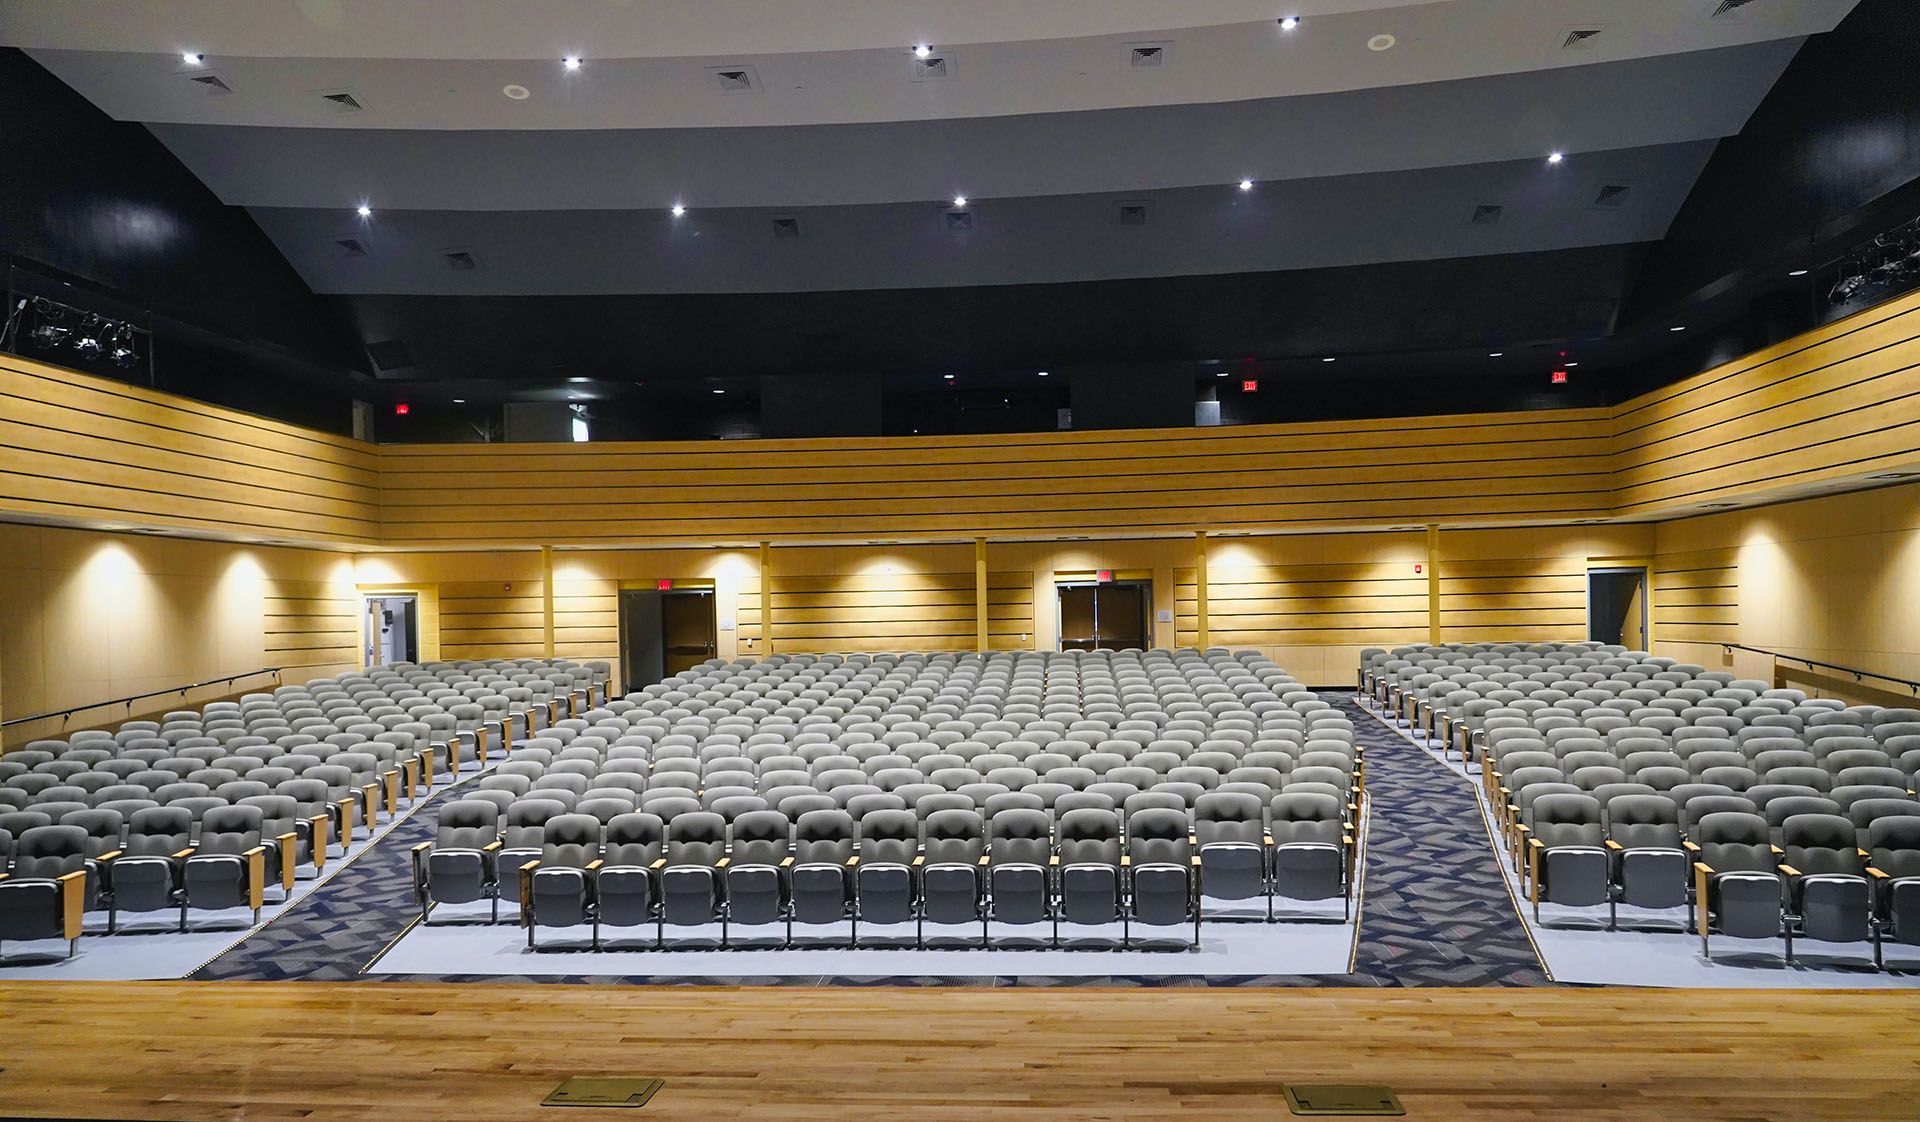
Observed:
{"x":1112,"y":615}
{"x":687,"y":631}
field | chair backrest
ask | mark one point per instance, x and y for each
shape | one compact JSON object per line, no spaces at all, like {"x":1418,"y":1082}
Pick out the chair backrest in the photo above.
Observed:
{"x":1821,"y":843}
{"x":823,"y":836}
{"x":570,"y":841}
{"x":635,"y":839}
{"x":1734,"y":842}
{"x":696,"y":838}
{"x":1089,"y":836}
{"x":48,"y":852}
{"x":760,"y":837}
{"x":953,"y":837}
{"x":1643,"y":822}
{"x":1157,"y":836}
{"x":467,"y":824}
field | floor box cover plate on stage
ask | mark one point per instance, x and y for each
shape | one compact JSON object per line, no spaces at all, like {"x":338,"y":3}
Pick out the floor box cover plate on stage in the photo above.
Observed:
{"x":1348,"y":1099}
{"x":590,"y":1090}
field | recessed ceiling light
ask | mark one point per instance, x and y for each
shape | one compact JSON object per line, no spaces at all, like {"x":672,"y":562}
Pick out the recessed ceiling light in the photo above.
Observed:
{"x":459,"y":401}
{"x":1288,"y":23}
{"x":1569,"y":364}
{"x":1496,"y":354}
{"x":1555,"y":157}
{"x":571,"y":62}
{"x":948,"y":377}
{"x":516,"y":91}
{"x":576,"y":381}
{"x":364,"y":211}
{"x":193,"y":58}
{"x":1798,"y":273}
{"x":922,"y":50}
{"x":678,"y":210}
{"x":719,"y":391}
{"x":1246,"y":184}
{"x":1676,"y":328}
{"x":1040,"y":374}
{"x":959,"y":200}
{"x":1329,"y":358}
{"x":1381,"y":42}
{"x":1221,"y":374}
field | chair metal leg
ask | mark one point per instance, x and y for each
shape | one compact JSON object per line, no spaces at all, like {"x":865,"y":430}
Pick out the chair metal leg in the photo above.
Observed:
{"x":183,"y":913}
{"x":113,"y":916}
{"x":73,"y":946}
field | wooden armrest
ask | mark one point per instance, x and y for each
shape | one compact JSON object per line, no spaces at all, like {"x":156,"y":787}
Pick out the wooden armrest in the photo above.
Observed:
{"x":1789,"y":870}
{"x":1535,"y":843}
{"x":1876,"y":874}
{"x":492,"y":846}
{"x":786,"y":862}
{"x":107,"y":856}
{"x":256,"y":875}
{"x":852,"y":861}
{"x":529,"y":867}
{"x":1862,"y":852}
{"x":1266,"y":839}
{"x":288,"y":844}
{"x":660,"y":864}
{"x":184,"y":854}
{"x":1777,"y":851}
{"x":73,"y":902}
{"x":1053,"y":859}
{"x":723,"y":862}
{"x":1689,"y":847}
{"x":1126,"y":861}
{"x":1703,"y":868}
{"x":422,"y":846}
{"x":919,"y":859}
{"x":984,"y":859}
{"x":594,"y":865}
{"x":1614,"y":845}
{"x":1194,"y":860}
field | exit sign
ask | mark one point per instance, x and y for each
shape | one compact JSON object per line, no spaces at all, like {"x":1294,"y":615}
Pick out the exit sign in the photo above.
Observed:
{"x":1249,"y":385}
{"x":1559,"y":377}
{"x":1104,"y":576}
{"x":665,"y":584}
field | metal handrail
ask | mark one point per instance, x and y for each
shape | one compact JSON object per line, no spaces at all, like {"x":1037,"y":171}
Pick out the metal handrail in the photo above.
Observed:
{"x":128,"y":701}
{"x":1858,"y":674}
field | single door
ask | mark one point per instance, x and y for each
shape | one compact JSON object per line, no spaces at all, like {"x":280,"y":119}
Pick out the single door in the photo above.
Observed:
{"x":1114,"y":615}
{"x":687,"y":631}
{"x":1617,"y":607}
{"x":391,"y":630}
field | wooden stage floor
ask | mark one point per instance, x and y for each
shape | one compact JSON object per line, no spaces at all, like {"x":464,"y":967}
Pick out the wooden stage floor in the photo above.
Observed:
{"x":474,"y":1052}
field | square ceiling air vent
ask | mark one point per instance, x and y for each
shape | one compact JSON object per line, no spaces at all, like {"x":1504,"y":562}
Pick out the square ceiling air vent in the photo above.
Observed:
{"x":1148,"y":56}
{"x":735,"y":79}
{"x":460,"y":260}
{"x":1611,"y":196}
{"x":1133,"y":214}
{"x":786,"y":226}
{"x":349,"y":245}
{"x":342,"y":101}
{"x":958,"y":222}
{"x":931,"y":68}
{"x":213,"y":85}
{"x":1580,"y":38}
{"x":1486,"y":214}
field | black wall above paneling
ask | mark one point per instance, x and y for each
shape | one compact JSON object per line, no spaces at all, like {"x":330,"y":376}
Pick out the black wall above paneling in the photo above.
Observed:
{"x":106,"y":203}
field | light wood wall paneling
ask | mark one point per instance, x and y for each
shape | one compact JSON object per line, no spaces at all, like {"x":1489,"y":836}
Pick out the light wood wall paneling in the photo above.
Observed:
{"x":87,"y":448}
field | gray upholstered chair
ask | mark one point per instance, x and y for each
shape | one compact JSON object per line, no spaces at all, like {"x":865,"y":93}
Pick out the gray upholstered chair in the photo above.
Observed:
{"x":1019,"y":852}
{"x":1230,"y":830}
{"x":1829,"y":897}
{"x":626,"y":892}
{"x":759,"y":852}
{"x":1160,"y":869}
{"x":145,"y":876}
{"x":228,"y":866}
{"x":885,"y":878}
{"x":1089,"y":882}
{"x":820,"y":882}
{"x":44,"y":894}
{"x":1567,"y":861}
{"x":556,"y":889}
{"x":1650,"y":861}
{"x":1311,"y":855}
{"x":1737,"y":888}
{"x":953,"y":871}
{"x":457,"y":866}
{"x":692,"y":891}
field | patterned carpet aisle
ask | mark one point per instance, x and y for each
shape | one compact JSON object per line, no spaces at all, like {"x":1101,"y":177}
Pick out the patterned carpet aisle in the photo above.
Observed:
{"x":1436,"y":911}
{"x":338,"y":928}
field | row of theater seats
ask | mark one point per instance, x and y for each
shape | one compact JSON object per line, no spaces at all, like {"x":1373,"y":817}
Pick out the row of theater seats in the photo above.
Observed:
{"x":253,"y":790}
{"x":1083,"y":787}
{"x":1620,"y":778}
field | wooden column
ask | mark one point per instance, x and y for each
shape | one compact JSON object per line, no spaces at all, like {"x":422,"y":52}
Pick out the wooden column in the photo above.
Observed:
{"x":1200,"y":589}
{"x":546,"y":597}
{"x":766,"y":599}
{"x":980,"y":593}
{"x":1433,"y":584}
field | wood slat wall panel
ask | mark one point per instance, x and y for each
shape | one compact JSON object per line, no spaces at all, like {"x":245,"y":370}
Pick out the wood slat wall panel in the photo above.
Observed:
{"x":1696,"y":596}
{"x":77,"y":447}
{"x":862,"y":611}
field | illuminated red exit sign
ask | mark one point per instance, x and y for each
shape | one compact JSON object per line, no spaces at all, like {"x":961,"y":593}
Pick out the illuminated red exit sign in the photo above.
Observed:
{"x":1249,"y":385}
{"x":1559,"y":377}
{"x":665,"y":584}
{"x":1104,"y":576}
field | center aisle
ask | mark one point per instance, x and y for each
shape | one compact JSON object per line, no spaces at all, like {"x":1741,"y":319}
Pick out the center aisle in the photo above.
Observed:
{"x":1436,"y":911}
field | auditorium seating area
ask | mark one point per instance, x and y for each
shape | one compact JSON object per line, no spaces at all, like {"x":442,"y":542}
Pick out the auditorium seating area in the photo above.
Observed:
{"x":1679,"y":796}
{"x":947,"y":790}
{"x":211,"y":809}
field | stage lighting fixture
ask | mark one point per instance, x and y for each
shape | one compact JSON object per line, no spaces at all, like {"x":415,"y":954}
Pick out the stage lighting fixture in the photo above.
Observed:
{"x":89,"y":345}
